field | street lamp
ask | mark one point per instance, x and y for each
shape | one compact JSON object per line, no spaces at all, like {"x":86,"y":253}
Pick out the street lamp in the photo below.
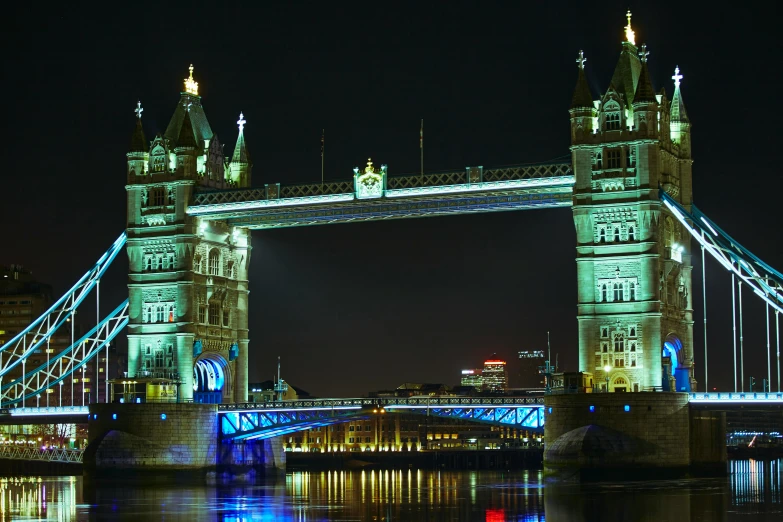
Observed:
{"x":607,"y":369}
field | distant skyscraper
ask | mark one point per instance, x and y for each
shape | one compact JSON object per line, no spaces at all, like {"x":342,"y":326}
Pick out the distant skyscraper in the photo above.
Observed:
{"x":529,"y":362}
{"x":472,"y":378}
{"x":494,"y":375}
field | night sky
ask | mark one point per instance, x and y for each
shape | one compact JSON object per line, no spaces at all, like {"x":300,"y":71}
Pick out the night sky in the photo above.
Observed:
{"x":360,"y":307}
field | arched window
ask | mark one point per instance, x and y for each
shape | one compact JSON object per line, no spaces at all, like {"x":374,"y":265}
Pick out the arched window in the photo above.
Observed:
{"x":633,"y":347}
{"x":633,"y":330}
{"x":197,"y":264}
{"x":618,"y":291}
{"x":145,"y":316}
{"x":619,"y":342}
{"x":632,"y":293}
{"x":214,"y":262}
{"x":148,"y":263}
{"x":602,"y":236}
{"x":230,"y":270}
{"x":161,"y":315}
{"x":612,"y":121}
{"x":603,"y":293}
{"x":605,"y":348}
{"x":631,"y":234}
{"x":617,"y":234}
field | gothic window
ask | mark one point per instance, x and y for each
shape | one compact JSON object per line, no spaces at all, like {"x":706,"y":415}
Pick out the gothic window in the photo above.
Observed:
{"x":633,"y":346}
{"x":618,"y":291}
{"x":171,"y":196}
{"x":633,"y":360}
{"x":172,"y":259}
{"x":169,"y":349}
{"x":230,"y":270}
{"x":597,"y":163}
{"x":172,"y":309}
{"x":633,"y":329}
{"x":604,"y":347}
{"x":214,"y":314}
{"x":619,"y":343}
{"x":602,"y":235}
{"x":202,"y":314}
{"x":160,"y":314}
{"x":148,"y":263}
{"x":631,"y":157}
{"x":631,"y":234}
{"x":154,"y":262}
{"x":147,"y":349}
{"x":612,"y":119}
{"x":158,"y":358}
{"x":214,"y":262}
{"x":145,"y":316}
{"x":617,"y":234}
{"x":157,"y":196}
{"x":165,"y":262}
{"x":613,"y":159}
{"x":603,"y":294}
{"x":226,"y":317}
{"x":619,"y":363}
{"x":632,"y":293}
{"x":197,"y":263}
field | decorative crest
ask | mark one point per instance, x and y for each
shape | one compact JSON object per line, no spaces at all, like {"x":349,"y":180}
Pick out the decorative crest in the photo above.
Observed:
{"x":241,"y":121}
{"x":369,"y":168}
{"x":191,"y":86}
{"x":630,"y":36}
{"x":581,"y":60}
{"x":139,"y":110}
{"x":677,"y":77}
{"x":644,"y":53}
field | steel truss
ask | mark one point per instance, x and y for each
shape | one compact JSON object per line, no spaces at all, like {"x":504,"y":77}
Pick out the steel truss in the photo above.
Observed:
{"x":38,"y":334}
{"x":66,"y":363}
{"x":765,"y":281}
{"x":265,"y":424}
{"x":24,"y":452}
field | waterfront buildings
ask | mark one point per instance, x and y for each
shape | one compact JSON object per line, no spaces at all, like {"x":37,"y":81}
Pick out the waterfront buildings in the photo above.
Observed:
{"x":494,"y":377}
{"x":472,"y":378}
{"x":530,"y":362}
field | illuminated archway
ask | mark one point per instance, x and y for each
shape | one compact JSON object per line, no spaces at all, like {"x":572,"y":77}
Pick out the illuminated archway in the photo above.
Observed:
{"x":673,"y":349}
{"x":211,"y":377}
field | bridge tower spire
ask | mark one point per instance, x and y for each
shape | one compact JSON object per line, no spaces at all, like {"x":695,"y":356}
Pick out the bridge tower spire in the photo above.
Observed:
{"x":240,"y":166}
{"x":187,"y":275}
{"x":633,"y":260}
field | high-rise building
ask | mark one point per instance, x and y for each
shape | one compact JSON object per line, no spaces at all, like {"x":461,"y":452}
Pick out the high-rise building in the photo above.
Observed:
{"x":635,"y":310}
{"x":494,"y":375}
{"x":472,"y":378}
{"x":530,"y":362}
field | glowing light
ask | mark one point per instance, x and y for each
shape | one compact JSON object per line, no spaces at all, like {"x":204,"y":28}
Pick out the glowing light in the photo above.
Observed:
{"x":138,"y":110}
{"x":191,"y":86}
{"x":581,"y":60}
{"x":607,"y":368}
{"x":241,"y":121}
{"x":630,"y":36}
{"x":708,"y":226}
{"x":480,"y":187}
{"x":268,"y":203}
{"x":162,"y":416}
{"x":592,"y":409}
{"x":677,"y":77}
{"x":114,"y":416}
{"x":627,"y":407}
{"x":644,"y":53}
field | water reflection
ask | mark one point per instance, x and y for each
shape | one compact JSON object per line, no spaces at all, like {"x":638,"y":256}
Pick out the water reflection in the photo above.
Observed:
{"x":406,"y":495}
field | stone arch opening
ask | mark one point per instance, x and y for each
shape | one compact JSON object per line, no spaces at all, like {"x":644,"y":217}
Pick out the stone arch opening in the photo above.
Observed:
{"x":676,"y":375}
{"x":211,"y":378}
{"x":619,"y":383}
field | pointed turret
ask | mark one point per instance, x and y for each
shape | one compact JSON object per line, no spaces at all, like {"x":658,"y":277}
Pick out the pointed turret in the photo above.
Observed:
{"x":240,"y":167}
{"x":190,"y":103}
{"x":187,"y":149}
{"x":645,"y":104}
{"x":628,"y":68}
{"x":138,"y":153}
{"x":680,"y":124}
{"x":582,"y":110}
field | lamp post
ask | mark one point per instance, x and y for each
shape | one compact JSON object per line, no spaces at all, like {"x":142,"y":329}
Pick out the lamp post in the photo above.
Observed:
{"x":607,"y":369}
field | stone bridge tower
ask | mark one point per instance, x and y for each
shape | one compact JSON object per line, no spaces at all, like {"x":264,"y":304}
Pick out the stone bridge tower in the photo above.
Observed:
{"x":633,"y":258}
{"x":188,"y":277}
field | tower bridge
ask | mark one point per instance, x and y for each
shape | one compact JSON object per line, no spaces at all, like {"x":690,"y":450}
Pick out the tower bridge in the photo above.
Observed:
{"x":190,"y":213}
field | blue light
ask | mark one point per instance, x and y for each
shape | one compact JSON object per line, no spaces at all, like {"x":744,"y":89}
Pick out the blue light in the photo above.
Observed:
{"x":122,"y":400}
{"x":138,"y":400}
{"x":592,"y":409}
{"x":114,"y":416}
{"x":94,"y":416}
{"x":162,"y":416}
{"x":550,"y":409}
{"x":627,"y":407}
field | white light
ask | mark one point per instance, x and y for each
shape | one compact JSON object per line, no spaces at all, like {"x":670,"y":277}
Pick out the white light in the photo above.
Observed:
{"x":708,"y":226}
{"x":481,"y":187}
{"x":196,"y":210}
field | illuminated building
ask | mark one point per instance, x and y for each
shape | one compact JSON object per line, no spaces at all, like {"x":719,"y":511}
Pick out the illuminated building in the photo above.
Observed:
{"x":633,"y":259}
{"x":265,"y":392}
{"x":493,"y":376}
{"x":22,"y":300}
{"x":472,"y":378}
{"x":188,"y":277}
{"x":529,"y":363}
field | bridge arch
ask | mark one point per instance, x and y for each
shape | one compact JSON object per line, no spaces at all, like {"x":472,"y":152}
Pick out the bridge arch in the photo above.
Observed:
{"x":676,"y":376}
{"x":211,"y":378}
{"x":620,"y":383}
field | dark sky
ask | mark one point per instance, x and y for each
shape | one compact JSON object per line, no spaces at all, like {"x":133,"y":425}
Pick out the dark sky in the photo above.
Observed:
{"x":360,"y":307}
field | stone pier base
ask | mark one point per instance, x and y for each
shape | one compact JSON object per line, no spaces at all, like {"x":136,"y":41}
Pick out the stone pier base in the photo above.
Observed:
{"x":631,"y":435}
{"x":168,"y":441}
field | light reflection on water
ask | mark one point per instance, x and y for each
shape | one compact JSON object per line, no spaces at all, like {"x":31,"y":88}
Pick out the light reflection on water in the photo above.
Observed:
{"x":751,"y":493}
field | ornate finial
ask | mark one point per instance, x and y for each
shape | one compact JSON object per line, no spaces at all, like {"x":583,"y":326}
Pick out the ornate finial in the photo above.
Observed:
{"x":139,"y":110}
{"x":677,"y":77}
{"x":630,"y":36}
{"x":644,"y":53}
{"x":369,"y":167}
{"x":581,"y":60}
{"x":241,"y":121}
{"x":191,"y":86}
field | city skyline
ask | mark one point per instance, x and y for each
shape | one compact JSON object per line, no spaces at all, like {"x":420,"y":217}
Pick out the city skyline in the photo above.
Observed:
{"x":394,"y":299}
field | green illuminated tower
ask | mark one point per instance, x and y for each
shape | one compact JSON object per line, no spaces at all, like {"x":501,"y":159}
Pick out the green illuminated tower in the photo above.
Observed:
{"x":633,"y":258}
{"x":187,"y":276}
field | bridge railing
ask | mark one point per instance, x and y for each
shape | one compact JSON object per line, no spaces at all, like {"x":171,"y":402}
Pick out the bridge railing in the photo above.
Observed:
{"x":25,"y":452}
{"x":383,"y":401}
{"x":737,"y":397}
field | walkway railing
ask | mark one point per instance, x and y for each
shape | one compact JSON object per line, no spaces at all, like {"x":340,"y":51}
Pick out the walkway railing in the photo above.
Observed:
{"x":736,"y":397}
{"x":23,"y":452}
{"x":420,"y":402}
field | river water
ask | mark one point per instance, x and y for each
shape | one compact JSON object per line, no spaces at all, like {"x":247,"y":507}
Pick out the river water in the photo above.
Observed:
{"x":751,"y":493}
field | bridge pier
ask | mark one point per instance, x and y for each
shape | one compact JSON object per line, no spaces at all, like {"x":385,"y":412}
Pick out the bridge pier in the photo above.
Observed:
{"x":170,"y":441}
{"x":596,"y":436}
